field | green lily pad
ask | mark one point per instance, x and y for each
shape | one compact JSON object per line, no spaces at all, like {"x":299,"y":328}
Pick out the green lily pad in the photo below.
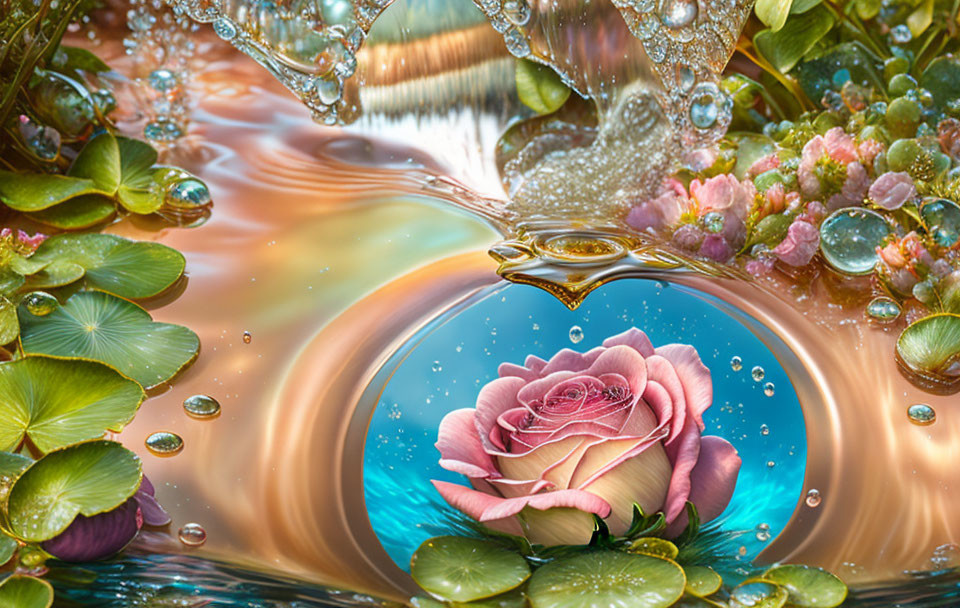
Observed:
{"x":808,"y":587}
{"x":758,"y":594}
{"x":929,"y":350}
{"x":97,"y":326}
{"x":56,"y":402}
{"x":9,"y":325}
{"x":539,"y":87}
{"x":129,"y":269}
{"x":121,"y":167}
{"x":510,"y":599}
{"x":785,"y":47}
{"x":692,"y":601}
{"x":11,"y":465}
{"x":657,"y":547}
{"x":8,"y":547}
{"x":26,"y":592}
{"x":465,"y":569}
{"x":80,"y":212}
{"x":607,"y":578}
{"x":426,"y":602}
{"x":35,"y":191}
{"x":82,"y":479}
{"x":702,"y":581}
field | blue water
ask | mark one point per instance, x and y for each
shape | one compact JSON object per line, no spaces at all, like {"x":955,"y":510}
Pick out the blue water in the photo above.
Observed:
{"x":453,"y":358}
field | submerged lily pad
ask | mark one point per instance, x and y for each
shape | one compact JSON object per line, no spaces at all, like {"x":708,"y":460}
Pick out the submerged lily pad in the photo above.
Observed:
{"x":702,"y":581}
{"x":808,"y":587}
{"x":849,"y":239}
{"x":80,"y":212}
{"x":82,"y":479}
{"x":607,"y":578}
{"x":539,"y":87}
{"x":56,"y":402}
{"x":26,"y":592}
{"x":37,"y":191}
{"x":121,"y":167}
{"x":129,"y":269}
{"x":465,"y":569}
{"x":98,"y":326}
{"x":929,"y":351}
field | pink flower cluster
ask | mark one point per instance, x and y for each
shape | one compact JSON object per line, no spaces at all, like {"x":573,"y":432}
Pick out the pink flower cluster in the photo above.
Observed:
{"x":837,"y":148}
{"x":20,"y":241}
{"x":906,"y":261}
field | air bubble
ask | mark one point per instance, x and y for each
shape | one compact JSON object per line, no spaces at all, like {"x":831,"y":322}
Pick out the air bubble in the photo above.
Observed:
{"x":576,"y":334}
{"x":192,"y":535}
{"x":757,"y":373}
{"x":736,"y":364}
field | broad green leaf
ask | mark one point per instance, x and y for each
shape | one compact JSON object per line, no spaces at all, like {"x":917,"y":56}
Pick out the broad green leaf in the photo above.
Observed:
{"x":34,"y":191}
{"x":11,"y":465}
{"x":784,"y":48}
{"x":121,"y":167}
{"x":19,"y":591}
{"x":759,"y":594}
{"x":9,"y":326}
{"x":8,"y":546}
{"x":77,"y":213}
{"x":81,"y":59}
{"x":56,"y":274}
{"x":97,"y":326}
{"x":539,"y":87}
{"x":466,"y":569}
{"x":82,"y":479}
{"x":606,"y":578}
{"x":56,"y":402}
{"x":930,"y":349}
{"x":99,"y":161}
{"x":510,"y":599}
{"x":130,"y":269}
{"x":802,"y":6}
{"x":10,"y":281}
{"x":808,"y":587}
{"x":773,"y":13}
{"x":702,"y":581}
{"x":921,"y":18}
{"x":942,"y":79}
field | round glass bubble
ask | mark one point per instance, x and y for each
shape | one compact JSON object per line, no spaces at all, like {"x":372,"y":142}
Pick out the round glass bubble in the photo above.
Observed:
{"x":507,"y":323}
{"x":849,"y":239}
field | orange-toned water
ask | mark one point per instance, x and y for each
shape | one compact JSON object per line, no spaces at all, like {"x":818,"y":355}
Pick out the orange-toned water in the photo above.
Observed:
{"x":327,"y":248}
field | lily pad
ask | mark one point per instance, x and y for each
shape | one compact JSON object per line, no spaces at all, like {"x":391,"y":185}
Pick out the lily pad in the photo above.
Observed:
{"x":849,"y":239}
{"x":26,"y":592}
{"x":785,"y":47}
{"x":11,"y":465}
{"x":97,"y":326}
{"x":9,"y":326}
{"x":129,"y":269}
{"x":657,"y":547}
{"x":758,"y":594}
{"x":82,"y":479}
{"x":702,"y":581}
{"x":539,"y":87}
{"x":465,"y":569}
{"x":929,"y":350}
{"x":607,"y":578}
{"x":121,"y":167}
{"x":80,"y":212}
{"x":56,"y":402}
{"x":808,"y":587}
{"x":8,"y":547}
{"x":510,"y":599}
{"x":36,"y":191}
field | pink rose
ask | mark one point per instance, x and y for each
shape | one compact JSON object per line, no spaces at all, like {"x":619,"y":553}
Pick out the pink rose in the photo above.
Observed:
{"x":552,"y":443}
{"x":839,"y":151}
{"x":661,"y":211}
{"x":800,"y":244}
{"x":731,"y":198}
{"x":892,"y":190}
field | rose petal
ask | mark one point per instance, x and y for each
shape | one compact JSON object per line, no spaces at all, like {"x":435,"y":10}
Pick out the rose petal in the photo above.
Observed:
{"x":633,"y":338}
{"x":712,"y":480}
{"x":495,"y":398}
{"x":535,"y":390}
{"x":623,"y":360}
{"x":660,"y":403}
{"x":461,"y":450}
{"x":97,"y":537}
{"x":153,"y":514}
{"x":683,"y":454}
{"x":509,"y":525}
{"x":571,"y":361}
{"x":663,"y":372}
{"x":484,"y":507}
{"x":694,"y":375}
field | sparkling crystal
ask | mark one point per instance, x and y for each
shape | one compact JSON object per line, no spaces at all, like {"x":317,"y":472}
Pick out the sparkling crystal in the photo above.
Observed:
{"x":517,"y":11}
{"x":223,"y":28}
{"x":713,"y":222}
{"x":163,"y":80}
{"x":883,"y":309}
{"x":813,"y":498}
{"x":516,"y":42}
{"x":921,"y":414}
{"x":678,"y":13}
{"x":709,"y":106}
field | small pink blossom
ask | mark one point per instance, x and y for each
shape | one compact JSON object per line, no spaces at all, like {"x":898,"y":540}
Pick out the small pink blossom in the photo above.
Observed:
{"x":764,"y":164}
{"x":731,"y":198}
{"x":905,"y":261}
{"x":22,"y":242}
{"x":854,"y":188}
{"x":892,"y":190}
{"x":868,"y":150}
{"x":661,"y":211}
{"x":800,"y":244}
{"x":840,"y":146}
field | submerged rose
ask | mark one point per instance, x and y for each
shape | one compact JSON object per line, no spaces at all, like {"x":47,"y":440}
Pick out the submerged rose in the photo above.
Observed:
{"x":552,"y":443}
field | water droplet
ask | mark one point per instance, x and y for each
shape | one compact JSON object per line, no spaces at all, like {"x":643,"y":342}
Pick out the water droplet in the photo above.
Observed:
{"x":436,"y":367}
{"x":516,"y":42}
{"x":328,"y":90}
{"x":679,"y":13}
{"x":188,"y":193}
{"x":162,"y":130}
{"x":941,"y":218}
{"x":41,"y":303}
{"x":771,"y":464}
{"x":813,"y":498}
{"x":164,"y":443}
{"x":764,"y":429}
{"x":736,"y":364}
{"x":224,"y":29}
{"x":43,"y":141}
{"x":901,"y":34}
{"x":576,"y":334}
{"x":163,"y":80}
{"x":192,"y":535}
{"x":763,"y":532}
{"x":883,"y":309}
{"x":921,"y":414}
{"x":201,"y":406}
{"x":849,"y":239}
{"x":709,"y":107}
{"x":247,"y":337}
{"x":517,"y":11}
{"x":757,"y":373}
{"x":768,"y":389}
{"x":713,"y":222}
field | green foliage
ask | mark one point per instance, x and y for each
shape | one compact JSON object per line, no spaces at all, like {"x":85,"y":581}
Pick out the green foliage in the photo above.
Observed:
{"x":785,"y":47}
{"x":465,"y":569}
{"x":539,"y":87}
{"x":929,"y":350}
{"x":25,"y":592}
{"x":808,"y":587}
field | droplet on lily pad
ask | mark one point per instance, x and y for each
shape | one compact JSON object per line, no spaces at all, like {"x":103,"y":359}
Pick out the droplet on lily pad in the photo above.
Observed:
{"x":190,"y":192}
{"x":928,"y":352}
{"x":808,"y":587}
{"x":201,"y":406}
{"x":883,"y":309}
{"x":849,"y":239}
{"x":466,"y":569}
{"x":758,"y":594}
{"x":941,"y":218}
{"x":40,"y":303}
{"x":164,"y":443}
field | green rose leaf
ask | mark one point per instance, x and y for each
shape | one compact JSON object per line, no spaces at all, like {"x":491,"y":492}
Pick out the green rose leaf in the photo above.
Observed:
{"x":466,"y":569}
{"x":773,"y":13}
{"x":56,"y":402}
{"x":82,"y":479}
{"x":759,"y":594}
{"x":606,"y":578}
{"x":26,"y":592}
{"x":34,"y":192}
{"x":539,"y":87}
{"x":702,"y":581}
{"x":784,"y":48}
{"x":121,"y":167}
{"x":930,"y":349}
{"x":9,"y":325}
{"x":77,"y":213}
{"x":808,"y":587}
{"x":129,"y":269}
{"x":802,"y":6}
{"x":97,"y":326}
{"x":99,"y":161}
